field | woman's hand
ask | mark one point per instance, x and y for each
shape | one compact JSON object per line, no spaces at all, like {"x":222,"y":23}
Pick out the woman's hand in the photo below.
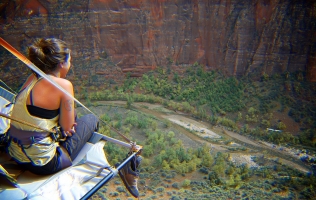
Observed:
{"x":72,"y":131}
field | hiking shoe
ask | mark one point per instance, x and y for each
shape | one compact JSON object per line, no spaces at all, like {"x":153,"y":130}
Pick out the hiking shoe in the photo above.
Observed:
{"x":129,"y":175}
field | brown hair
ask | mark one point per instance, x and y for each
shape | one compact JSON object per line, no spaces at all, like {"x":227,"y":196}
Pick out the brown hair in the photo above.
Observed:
{"x":46,"y":54}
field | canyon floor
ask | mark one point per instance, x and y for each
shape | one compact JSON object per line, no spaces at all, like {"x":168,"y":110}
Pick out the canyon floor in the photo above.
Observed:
{"x":196,"y":133}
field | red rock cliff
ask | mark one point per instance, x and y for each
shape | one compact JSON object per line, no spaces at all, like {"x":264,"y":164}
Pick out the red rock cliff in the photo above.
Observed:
{"x":112,"y":37}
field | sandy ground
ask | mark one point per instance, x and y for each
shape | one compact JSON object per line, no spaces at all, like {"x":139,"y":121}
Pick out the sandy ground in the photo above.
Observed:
{"x":192,"y":125}
{"x":239,"y":159}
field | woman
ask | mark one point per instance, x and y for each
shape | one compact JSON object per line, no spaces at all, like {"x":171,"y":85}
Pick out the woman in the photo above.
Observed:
{"x":42,"y":104}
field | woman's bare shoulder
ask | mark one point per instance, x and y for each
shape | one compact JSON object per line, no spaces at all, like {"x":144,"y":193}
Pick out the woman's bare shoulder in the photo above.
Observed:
{"x":64,"y":83}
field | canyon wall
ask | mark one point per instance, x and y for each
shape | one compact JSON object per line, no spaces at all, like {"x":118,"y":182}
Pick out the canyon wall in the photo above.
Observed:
{"x":109,"y":38}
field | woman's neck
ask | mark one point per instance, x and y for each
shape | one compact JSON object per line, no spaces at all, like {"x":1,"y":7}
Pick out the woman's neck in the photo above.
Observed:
{"x":55,"y":74}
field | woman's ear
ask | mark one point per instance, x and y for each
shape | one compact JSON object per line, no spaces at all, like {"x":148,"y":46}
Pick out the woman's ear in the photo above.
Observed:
{"x":61,"y":65}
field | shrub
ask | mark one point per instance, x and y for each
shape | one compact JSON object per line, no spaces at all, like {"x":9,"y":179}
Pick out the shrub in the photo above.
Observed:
{"x":167,"y":123}
{"x":281,"y":126}
{"x":130,"y":101}
{"x":265,"y":123}
{"x":117,"y":182}
{"x":114,"y":194}
{"x":105,"y":117}
{"x":120,"y":189}
{"x":127,"y":130}
{"x":143,"y":123}
{"x":154,"y":125}
{"x":132,"y":119}
{"x":186,"y":183}
{"x":175,"y":185}
{"x":118,"y":124}
{"x":175,"y":198}
{"x":203,"y":170}
{"x":160,"y":189}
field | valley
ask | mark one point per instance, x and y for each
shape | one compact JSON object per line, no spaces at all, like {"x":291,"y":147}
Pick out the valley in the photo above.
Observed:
{"x":241,"y":150}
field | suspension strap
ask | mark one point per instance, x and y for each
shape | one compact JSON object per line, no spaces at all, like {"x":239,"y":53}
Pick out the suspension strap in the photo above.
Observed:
{"x":56,"y":134}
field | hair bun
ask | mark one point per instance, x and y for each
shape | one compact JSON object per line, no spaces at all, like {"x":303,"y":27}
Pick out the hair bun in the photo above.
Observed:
{"x":45,"y":47}
{"x":48,"y":53}
{"x":46,"y":50}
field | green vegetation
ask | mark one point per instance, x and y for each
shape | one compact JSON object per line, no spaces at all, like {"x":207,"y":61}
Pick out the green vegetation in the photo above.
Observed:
{"x":198,"y":88}
{"x":244,"y":106}
{"x":241,"y":105}
{"x":169,"y":170}
{"x":167,"y":150}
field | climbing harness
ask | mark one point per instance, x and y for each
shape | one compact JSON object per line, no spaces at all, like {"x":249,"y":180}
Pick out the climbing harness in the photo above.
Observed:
{"x":55,"y":133}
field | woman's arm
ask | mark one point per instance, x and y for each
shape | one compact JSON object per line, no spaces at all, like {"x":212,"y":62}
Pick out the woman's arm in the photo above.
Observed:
{"x":67,"y":110}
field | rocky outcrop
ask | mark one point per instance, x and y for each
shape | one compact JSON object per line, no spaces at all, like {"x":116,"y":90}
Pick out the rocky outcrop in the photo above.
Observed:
{"x":112,"y":37}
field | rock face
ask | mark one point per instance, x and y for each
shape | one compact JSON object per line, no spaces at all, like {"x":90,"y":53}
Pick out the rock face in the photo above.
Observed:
{"x":109,"y":38}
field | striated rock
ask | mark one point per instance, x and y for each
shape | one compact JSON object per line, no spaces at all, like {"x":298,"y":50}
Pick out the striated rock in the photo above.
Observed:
{"x":311,"y":68}
{"x":112,"y":37}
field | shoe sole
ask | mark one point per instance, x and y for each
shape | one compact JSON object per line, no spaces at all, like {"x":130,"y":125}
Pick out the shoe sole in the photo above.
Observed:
{"x":126,"y":185}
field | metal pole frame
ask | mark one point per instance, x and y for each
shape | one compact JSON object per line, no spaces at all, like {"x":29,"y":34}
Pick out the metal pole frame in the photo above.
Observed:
{"x":98,"y":136}
{"x":114,"y":171}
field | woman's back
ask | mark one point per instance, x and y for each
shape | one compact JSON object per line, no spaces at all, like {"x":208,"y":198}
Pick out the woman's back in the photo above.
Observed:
{"x":44,"y":95}
{"x":47,"y":96}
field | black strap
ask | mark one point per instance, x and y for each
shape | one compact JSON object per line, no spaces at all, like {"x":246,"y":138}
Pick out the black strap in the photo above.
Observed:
{"x":26,"y":137}
{"x":31,"y":97}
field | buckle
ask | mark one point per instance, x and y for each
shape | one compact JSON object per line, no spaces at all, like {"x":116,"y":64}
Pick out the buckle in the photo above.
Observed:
{"x":58,"y":136}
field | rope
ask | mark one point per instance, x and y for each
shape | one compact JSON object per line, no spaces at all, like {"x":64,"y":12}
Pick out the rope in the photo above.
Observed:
{"x":7,"y":87}
{"x":41,"y":73}
{"x":25,"y":123}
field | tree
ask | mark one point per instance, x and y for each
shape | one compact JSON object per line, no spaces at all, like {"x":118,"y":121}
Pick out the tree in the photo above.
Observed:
{"x":231,"y":181}
{"x":207,"y":160}
{"x":281,"y":126}
{"x":130,"y":101}
{"x":265,"y":77}
{"x":192,"y":165}
{"x":245,"y":128}
{"x":252,"y":111}
{"x":182,"y":154}
{"x":154,"y":125}
{"x":148,"y":150}
{"x":165,"y":165}
{"x":171,"y":154}
{"x":213,"y":177}
{"x":230,"y":170}
{"x":174,"y":163}
{"x":186,"y":183}
{"x":265,"y":123}
{"x":167,"y":123}
{"x":201,"y":151}
{"x":158,"y":161}
{"x":131,"y":119}
{"x":239,"y":117}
